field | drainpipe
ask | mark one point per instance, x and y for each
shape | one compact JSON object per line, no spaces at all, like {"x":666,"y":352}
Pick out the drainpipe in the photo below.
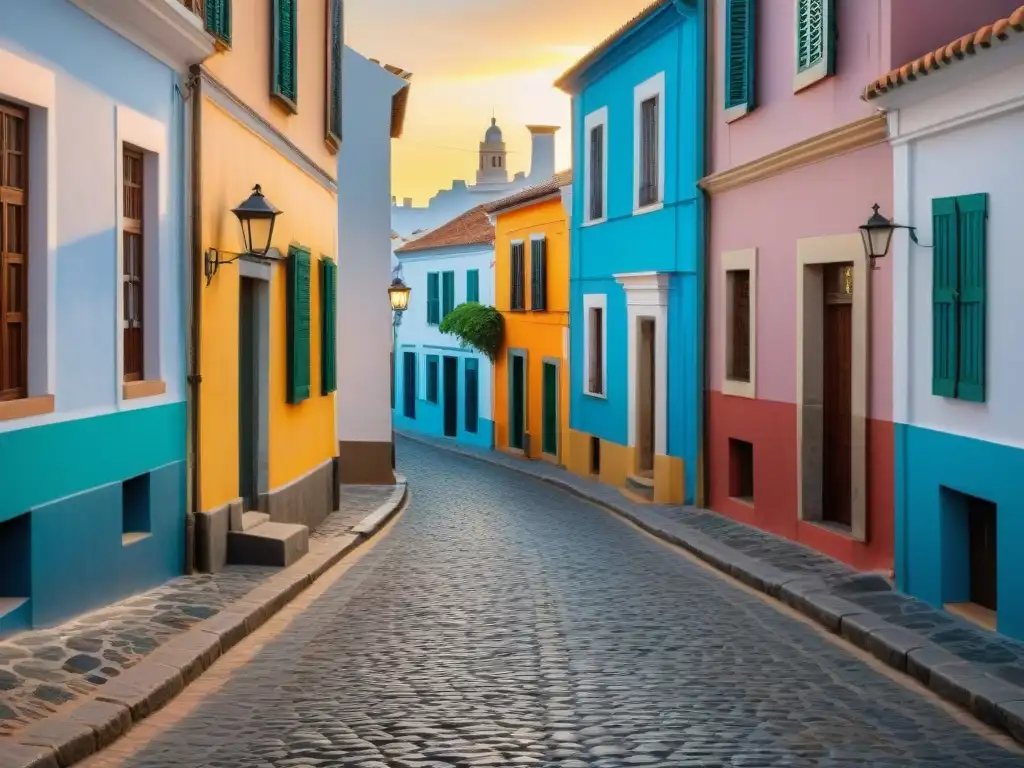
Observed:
{"x":195,"y":274}
{"x":705,"y":108}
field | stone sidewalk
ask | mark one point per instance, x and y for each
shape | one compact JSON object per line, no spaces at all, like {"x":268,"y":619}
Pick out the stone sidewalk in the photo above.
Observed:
{"x":49,"y":675}
{"x":969,"y":666}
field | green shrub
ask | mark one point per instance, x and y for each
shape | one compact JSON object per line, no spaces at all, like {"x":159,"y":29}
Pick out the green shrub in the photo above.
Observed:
{"x":476,"y":325}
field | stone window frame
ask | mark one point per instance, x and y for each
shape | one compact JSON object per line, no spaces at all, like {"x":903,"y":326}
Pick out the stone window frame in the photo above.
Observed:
{"x":599,"y":117}
{"x":595,"y":301}
{"x":736,"y":261}
{"x":652,"y":87}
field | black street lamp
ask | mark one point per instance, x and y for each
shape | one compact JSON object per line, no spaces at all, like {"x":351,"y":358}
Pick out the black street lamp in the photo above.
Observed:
{"x":398,"y":295}
{"x":877,"y":235}
{"x":257,"y":217}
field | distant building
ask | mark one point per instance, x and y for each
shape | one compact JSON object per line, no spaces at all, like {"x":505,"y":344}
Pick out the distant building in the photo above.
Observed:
{"x":492,"y":182}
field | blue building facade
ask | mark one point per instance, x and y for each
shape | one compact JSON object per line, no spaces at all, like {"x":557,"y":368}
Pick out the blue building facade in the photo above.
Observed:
{"x":636,"y":285}
{"x":92,"y":383}
{"x":441,"y":388}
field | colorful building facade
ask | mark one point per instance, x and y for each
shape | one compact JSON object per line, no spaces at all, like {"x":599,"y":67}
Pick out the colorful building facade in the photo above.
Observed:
{"x":263,"y":348}
{"x":441,"y":388}
{"x":636,"y":331}
{"x":959,"y":440}
{"x":800,"y":433}
{"x":92,"y":374}
{"x":531,"y":290}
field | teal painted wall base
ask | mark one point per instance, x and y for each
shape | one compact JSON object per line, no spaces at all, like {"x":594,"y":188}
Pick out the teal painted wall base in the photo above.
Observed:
{"x":931,"y":544}
{"x":430,"y":421}
{"x":66,"y":508}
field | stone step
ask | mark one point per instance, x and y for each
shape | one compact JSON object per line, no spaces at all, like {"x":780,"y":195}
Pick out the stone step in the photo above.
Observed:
{"x":274,"y":544}
{"x":253,"y":519}
{"x":640,"y":483}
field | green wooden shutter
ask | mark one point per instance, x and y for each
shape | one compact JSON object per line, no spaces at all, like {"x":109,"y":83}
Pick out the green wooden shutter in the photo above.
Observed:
{"x":816,"y":35}
{"x":328,"y":320}
{"x":945,"y":289}
{"x":448,"y":294}
{"x":433,"y":299}
{"x":972,"y":214}
{"x":335,"y":54}
{"x":218,"y":19}
{"x":473,"y":285}
{"x":298,"y":325}
{"x":740,"y":54}
{"x":285,"y":75}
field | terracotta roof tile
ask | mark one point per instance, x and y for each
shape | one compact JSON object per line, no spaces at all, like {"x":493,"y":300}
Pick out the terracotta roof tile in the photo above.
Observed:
{"x":545,"y":188}
{"x":471,"y":228}
{"x":605,"y":44}
{"x":946,"y":55}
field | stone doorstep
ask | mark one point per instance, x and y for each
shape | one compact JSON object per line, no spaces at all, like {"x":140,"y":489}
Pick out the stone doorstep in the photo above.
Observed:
{"x":73,"y":735}
{"x":993,"y":701}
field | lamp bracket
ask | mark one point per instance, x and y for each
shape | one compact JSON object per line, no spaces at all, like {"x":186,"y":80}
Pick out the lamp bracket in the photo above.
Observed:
{"x":913,"y":237}
{"x":213,"y":261}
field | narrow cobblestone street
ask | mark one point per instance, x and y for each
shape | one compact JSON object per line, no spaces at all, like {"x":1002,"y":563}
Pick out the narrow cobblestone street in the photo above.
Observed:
{"x":503,"y":622}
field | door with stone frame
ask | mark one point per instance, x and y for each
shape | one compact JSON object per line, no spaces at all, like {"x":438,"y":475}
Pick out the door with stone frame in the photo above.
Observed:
{"x":645,"y":396}
{"x":837,"y":367}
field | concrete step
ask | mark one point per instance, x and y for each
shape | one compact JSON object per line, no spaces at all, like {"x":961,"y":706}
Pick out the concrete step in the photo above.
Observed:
{"x":253,"y":519}
{"x":274,"y":544}
{"x":642,"y":486}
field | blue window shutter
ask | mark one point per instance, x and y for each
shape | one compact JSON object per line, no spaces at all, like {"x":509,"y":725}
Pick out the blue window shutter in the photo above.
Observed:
{"x":945,"y":290}
{"x":218,"y":19}
{"x":284,"y":77}
{"x":473,"y":285}
{"x":433,"y":298}
{"x":298,"y":325}
{"x":740,"y":54}
{"x":972,"y":214}
{"x":328,"y":318}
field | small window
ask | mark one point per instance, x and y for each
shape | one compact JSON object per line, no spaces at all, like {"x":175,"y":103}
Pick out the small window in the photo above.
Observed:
{"x":517,"y":277}
{"x":740,"y":57}
{"x":432,"y":374}
{"x":132,"y":263}
{"x":815,"y":41}
{"x":595,"y":455}
{"x":14,"y":160}
{"x":738,"y":286}
{"x":595,"y":178}
{"x":447,"y":293}
{"x":433,"y":298}
{"x":135,"y":518}
{"x":595,"y":370}
{"x":473,"y":285}
{"x":649,"y":193}
{"x":538,"y":275}
{"x":284,"y":85}
{"x":218,"y":17}
{"x":741,"y":470}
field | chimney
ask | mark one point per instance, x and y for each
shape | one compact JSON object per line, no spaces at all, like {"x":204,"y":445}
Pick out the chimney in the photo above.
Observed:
{"x":407,"y":202}
{"x":542,"y":154}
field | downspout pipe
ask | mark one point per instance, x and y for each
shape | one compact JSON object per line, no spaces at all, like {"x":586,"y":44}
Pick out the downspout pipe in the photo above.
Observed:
{"x":707,"y":113}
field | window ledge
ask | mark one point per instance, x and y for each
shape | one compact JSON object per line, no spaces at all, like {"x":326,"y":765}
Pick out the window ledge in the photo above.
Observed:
{"x":649,"y":208}
{"x":809,"y":77}
{"x":132,"y":390}
{"x":127,"y":539}
{"x":26,"y":407}
{"x":732,"y":114}
{"x":284,"y":103}
{"x":596,"y":395}
{"x":735,"y":388}
{"x":594,"y":222}
{"x":746,"y":501}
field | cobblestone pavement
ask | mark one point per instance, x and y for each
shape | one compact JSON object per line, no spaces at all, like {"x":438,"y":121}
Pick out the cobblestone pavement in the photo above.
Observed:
{"x":503,"y":623}
{"x":41,"y":671}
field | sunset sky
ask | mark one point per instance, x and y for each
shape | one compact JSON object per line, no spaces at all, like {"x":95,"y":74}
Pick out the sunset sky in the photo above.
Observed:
{"x":472,"y":57}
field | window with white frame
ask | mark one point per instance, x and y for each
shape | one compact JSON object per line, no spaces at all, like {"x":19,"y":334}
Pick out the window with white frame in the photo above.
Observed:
{"x":595,"y":189}
{"x":595,"y":344}
{"x":739,"y":348}
{"x":649,"y":142}
{"x":815,"y":41}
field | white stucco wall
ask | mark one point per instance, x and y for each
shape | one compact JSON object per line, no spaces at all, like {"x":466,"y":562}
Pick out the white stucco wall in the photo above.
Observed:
{"x":962,"y":137}
{"x":363,"y":405}
{"x":414,"y":329}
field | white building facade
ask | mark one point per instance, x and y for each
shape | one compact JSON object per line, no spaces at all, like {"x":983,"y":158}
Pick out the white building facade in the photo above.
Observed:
{"x":958,"y":343}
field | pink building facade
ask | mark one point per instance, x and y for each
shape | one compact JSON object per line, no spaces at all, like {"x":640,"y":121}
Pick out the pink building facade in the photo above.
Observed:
{"x":799,"y":346}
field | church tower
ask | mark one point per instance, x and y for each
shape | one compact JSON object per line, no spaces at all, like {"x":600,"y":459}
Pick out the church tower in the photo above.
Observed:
{"x":493,"y":157}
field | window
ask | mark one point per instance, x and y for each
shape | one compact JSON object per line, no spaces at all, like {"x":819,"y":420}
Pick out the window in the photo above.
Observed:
{"x":298,"y":324}
{"x":409,"y":385}
{"x":13,"y":252}
{"x":335,"y":48}
{"x":433,"y":298}
{"x":132,"y":264}
{"x":741,"y":470}
{"x":815,"y":41}
{"x":432,"y":374}
{"x":595,"y":343}
{"x":596,"y":177}
{"x":649,"y":142}
{"x":517,"y":289}
{"x":472,"y":394}
{"x":284,"y":86}
{"x":473,"y":285}
{"x":739,"y":319}
{"x":447,"y":293}
{"x":135,"y":518}
{"x":328,"y":325}
{"x":740,"y":57}
{"x":538,"y":274}
{"x":218,"y":18}
{"x":958,"y":297}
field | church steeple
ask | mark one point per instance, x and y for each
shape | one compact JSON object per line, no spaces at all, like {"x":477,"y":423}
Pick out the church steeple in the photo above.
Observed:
{"x":493,"y":157}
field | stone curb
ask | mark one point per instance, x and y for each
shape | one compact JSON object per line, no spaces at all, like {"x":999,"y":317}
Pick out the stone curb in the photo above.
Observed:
{"x":991,"y":700}
{"x":68,"y":737}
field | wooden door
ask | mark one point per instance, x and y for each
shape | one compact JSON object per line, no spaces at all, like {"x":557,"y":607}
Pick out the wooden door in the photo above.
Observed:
{"x":516,"y":402}
{"x":645,"y":396}
{"x":409,"y":385}
{"x":549,"y":442}
{"x":451,"y":396}
{"x":837,"y":387}
{"x":248,"y":395}
{"x":981,"y":526}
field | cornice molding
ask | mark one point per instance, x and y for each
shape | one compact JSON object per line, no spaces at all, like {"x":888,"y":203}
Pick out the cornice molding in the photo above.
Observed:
{"x":847,"y":138}
{"x":165,"y":29}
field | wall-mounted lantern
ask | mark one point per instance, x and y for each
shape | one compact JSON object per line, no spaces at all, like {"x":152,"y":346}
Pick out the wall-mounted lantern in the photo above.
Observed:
{"x":398,"y":293}
{"x":257,"y":216}
{"x":877,"y":236}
